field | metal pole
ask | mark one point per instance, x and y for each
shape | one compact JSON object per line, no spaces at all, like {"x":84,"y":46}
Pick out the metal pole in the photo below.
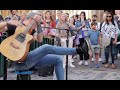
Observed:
{"x":67,"y":43}
{"x":5,"y":69}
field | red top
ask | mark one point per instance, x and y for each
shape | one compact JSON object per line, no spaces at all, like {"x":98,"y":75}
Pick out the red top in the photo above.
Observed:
{"x":52,"y":23}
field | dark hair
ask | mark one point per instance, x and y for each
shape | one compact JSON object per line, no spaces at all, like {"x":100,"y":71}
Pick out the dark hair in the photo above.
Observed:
{"x":1,"y":18}
{"x":76,"y":16}
{"x":89,"y":19}
{"x":50,"y":16}
{"x":111,"y":20}
{"x":84,"y":15}
{"x":94,"y":15}
{"x":12,"y":10}
{"x":93,"y":23}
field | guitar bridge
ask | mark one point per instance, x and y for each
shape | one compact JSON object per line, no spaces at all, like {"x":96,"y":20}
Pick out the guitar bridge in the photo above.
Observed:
{"x":14,"y":46}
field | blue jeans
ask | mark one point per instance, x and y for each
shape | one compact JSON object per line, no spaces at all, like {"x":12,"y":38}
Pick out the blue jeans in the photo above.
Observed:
{"x":110,"y":49}
{"x":40,"y":56}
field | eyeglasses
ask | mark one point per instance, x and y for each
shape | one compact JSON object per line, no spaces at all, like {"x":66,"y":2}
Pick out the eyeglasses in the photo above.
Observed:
{"x":109,"y":16}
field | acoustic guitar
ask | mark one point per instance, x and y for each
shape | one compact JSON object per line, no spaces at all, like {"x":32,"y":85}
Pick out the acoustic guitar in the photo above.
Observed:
{"x":16,"y":47}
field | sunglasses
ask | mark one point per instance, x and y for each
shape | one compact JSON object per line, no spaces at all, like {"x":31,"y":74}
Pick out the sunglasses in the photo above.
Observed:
{"x":109,"y":16}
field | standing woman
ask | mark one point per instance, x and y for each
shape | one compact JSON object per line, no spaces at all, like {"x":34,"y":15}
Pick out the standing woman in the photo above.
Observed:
{"x":75,"y":17}
{"x":49,"y":19}
{"x":63,"y":24}
{"x":49,"y":22}
{"x":81,"y":24}
{"x":110,"y":29}
{"x":72,"y":38}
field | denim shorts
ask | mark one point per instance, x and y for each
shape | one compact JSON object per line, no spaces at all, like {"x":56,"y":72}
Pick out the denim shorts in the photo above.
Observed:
{"x":95,"y":48}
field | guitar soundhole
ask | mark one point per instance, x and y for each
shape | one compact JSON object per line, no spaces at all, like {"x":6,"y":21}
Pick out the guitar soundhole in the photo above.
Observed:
{"x":20,"y":37}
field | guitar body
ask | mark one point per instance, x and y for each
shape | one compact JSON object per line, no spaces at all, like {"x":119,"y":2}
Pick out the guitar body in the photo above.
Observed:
{"x":16,"y":47}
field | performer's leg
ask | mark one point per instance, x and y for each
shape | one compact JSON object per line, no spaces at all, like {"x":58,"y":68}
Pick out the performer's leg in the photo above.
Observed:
{"x":55,"y":60}
{"x":49,"y":59}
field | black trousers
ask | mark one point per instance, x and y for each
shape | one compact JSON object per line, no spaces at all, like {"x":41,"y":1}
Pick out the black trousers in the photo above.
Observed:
{"x":83,"y":56}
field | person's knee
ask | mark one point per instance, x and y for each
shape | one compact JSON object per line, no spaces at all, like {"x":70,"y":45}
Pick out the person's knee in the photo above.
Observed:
{"x":46,"y":46}
{"x":59,"y":60}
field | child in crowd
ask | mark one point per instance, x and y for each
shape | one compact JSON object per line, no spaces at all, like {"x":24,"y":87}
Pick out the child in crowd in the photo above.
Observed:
{"x":94,"y":36}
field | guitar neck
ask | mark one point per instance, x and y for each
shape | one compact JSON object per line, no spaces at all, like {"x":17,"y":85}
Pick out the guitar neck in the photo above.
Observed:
{"x":29,"y":27}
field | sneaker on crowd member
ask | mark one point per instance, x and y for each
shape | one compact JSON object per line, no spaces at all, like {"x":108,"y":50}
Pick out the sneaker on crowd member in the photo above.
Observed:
{"x":92,"y":59}
{"x":118,"y":55}
{"x":71,"y":60}
{"x":75,"y":57}
{"x":71,"y":65}
{"x":80,"y":63}
{"x":97,"y":65}
{"x":86,"y":63}
{"x":100,"y":60}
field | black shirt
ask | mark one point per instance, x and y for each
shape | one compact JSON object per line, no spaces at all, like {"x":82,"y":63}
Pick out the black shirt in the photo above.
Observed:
{"x":11,"y":29}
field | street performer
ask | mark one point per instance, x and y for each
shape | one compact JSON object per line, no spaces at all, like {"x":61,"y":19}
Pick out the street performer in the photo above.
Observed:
{"x":45,"y":54}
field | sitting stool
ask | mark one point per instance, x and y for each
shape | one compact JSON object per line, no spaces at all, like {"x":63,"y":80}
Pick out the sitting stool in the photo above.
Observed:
{"x":23,"y":75}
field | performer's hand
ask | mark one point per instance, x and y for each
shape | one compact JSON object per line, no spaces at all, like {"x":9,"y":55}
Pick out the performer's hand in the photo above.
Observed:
{"x":13,"y":22}
{"x":37,"y":18}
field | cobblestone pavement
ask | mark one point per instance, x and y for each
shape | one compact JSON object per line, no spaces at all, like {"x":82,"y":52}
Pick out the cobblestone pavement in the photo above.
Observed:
{"x":80,"y":73}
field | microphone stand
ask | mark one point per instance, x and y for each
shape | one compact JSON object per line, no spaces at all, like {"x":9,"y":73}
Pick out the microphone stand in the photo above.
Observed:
{"x":67,"y":43}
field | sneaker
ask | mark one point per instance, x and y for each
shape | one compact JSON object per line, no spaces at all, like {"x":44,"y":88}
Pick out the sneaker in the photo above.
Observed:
{"x":86,"y":63}
{"x":71,"y":65}
{"x":113,"y":66}
{"x":71,"y":60}
{"x":80,"y":63}
{"x":106,"y":65}
{"x":118,"y":55}
{"x":92,"y":59}
{"x":75,"y":57}
{"x":97,"y":66}
{"x":100,"y":60}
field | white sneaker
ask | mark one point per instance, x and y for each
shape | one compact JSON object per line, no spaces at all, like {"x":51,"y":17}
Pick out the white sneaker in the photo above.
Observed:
{"x":71,"y":60}
{"x":70,"y":65}
{"x":118,"y":55}
{"x":86,"y":63}
{"x":100,"y":60}
{"x":64,"y":65}
{"x":75,"y":57}
{"x":80,"y":63}
{"x":92,"y":59}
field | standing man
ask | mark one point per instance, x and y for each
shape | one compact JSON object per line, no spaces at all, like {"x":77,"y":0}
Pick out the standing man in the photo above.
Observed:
{"x":12,"y":13}
{"x":58,"y":15}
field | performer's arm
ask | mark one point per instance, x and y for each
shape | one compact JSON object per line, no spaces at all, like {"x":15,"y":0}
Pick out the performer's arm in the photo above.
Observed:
{"x":39,"y":33}
{"x":3,"y":27}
